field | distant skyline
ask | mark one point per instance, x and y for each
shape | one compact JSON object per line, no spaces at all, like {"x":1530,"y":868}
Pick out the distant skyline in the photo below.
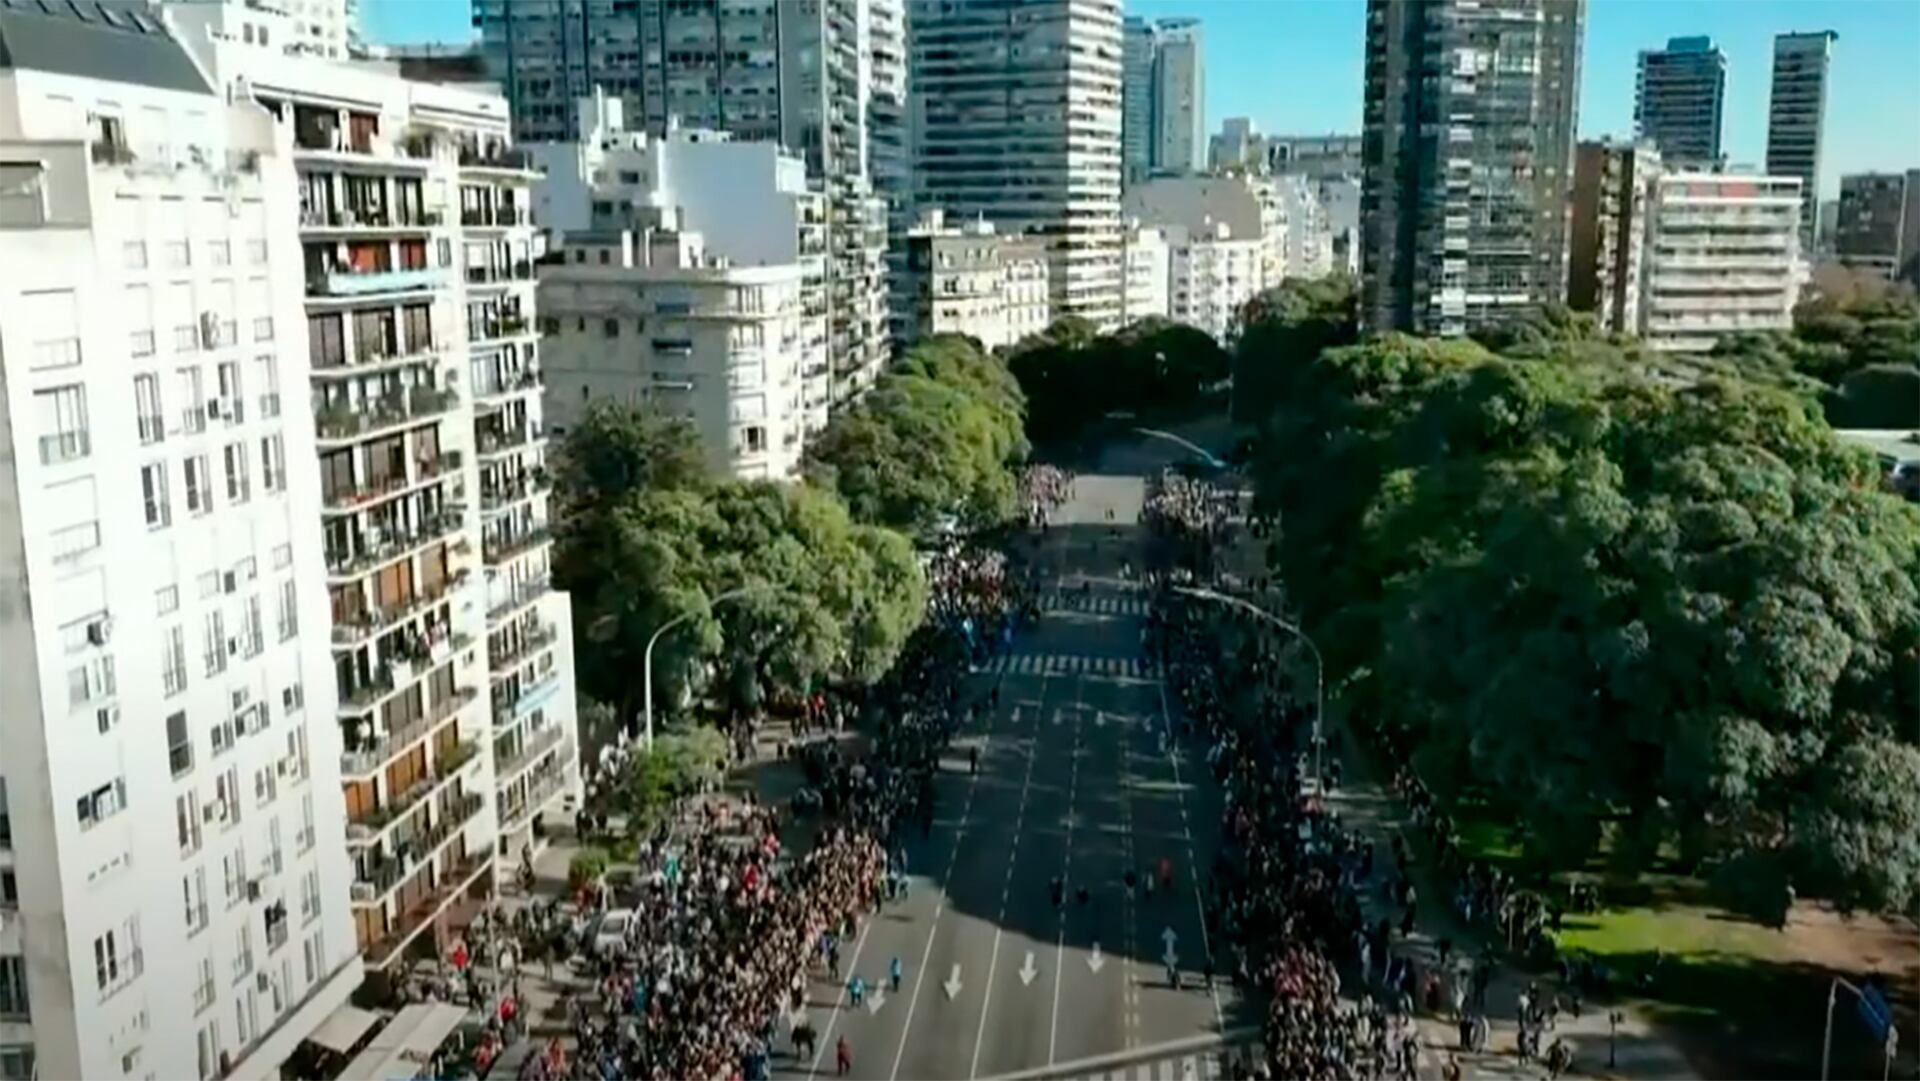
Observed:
{"x":1294,"y":66}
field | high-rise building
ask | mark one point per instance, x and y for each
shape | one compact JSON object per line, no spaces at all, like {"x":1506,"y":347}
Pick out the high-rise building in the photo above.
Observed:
{"x":1796,"y":117}
{"x":1163,"y":99}
{"x":1469,"y":228}
{"x":968,"y":280}
{"x":1238,"y":145}
{"x":1722,"y":258}
{"x":1137,"y":49}
{"x":1026,"y":89}
{"x":1677,"y":100}
{"x":329,"y":29}
{"x":749,"y":201}
{"x":451,"y":654}
{"x":650,"y":316}
{"x":1878,"y":224}
{"x":818,"y":78}
{"x":1314,"y":155}
{"x":1179,"y":98}
{"x":172,"y":839}
{"x":1614,"y":186}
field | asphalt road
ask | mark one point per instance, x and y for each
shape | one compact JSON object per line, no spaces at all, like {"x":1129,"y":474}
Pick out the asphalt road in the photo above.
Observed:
{"x":1075,"y":782}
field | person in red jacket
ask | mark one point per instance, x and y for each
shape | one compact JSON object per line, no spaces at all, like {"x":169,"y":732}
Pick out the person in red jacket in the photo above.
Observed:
{"x":842,"y":1057}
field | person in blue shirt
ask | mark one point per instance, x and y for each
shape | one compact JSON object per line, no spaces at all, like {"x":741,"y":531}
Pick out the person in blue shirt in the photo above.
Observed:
{"x":893,"y":973}
{"x":857,"y":990}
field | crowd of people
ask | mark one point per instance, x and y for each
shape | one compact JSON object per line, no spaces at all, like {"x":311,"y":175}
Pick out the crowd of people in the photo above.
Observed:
{"x":1187,"y":519}
{"x":1043,"y":489}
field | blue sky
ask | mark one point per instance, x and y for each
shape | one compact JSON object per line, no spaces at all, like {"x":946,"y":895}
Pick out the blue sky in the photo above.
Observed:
{"x":1294,"y":65}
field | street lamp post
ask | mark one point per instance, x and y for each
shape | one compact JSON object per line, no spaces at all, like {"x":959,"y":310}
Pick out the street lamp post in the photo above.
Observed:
{"x":1319,"y":664}
{"x":1826,"y":1043}
{"x":1206,"y":455}
{"x":647,"y":663}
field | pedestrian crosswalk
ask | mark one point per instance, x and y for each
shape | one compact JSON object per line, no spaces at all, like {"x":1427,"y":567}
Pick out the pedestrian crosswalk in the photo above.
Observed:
{"x":1099,"y":604}
{"x":1067,"y":664}
{"x":1197,"y":1066}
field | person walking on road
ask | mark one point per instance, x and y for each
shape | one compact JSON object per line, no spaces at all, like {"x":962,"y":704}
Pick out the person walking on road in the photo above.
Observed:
{"x":842,"y":1058}
{"x":893,"y":973}
{"x":857,"y":991}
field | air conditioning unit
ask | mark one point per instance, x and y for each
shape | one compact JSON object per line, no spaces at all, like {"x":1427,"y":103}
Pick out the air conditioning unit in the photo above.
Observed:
{"x":260,"y":980}
{"x":229,"y":582}
{"x":209,"y":330}
{"x":213,"y":408}
{"x":253,"y":892}
{"x":239,"y":696}
{"x":107,"y":717}
{"x":233,"y":647}
{"x":99,"y":632}
{"x":281,"y":767}
{"x":206,"y":813}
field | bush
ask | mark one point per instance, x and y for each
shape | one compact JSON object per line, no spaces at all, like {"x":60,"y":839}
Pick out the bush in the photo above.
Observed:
{"x":587,"y":866}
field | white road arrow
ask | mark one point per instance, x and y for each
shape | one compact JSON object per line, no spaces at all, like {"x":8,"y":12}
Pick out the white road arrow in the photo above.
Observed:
{"x":876,"y":1000}
{"x":1027,"y":971}
{"x":1094,"y":960}
{"x":953,"y":982}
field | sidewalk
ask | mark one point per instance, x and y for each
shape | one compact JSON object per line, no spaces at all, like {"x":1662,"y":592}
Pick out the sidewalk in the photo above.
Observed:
{"x":1368,"y":808}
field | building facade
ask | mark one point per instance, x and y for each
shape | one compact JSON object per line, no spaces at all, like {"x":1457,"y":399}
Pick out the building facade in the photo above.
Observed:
{"x":451,"y":652}
{"x":1614,"y":186}
{"x":1469,"y":229}
{"x":1314,"y":155}
{"x":326,"y":29}
{"x":1722,"y":257}
{"x":650,"y":317}
{"x":1148,"y":274}
{"x":821,"y":79}
{"x":182,"y":910}
{"x":1878,"y":223}
{"x":1163,"y":98}
{"x":1226,"y":238}
{"x":970,"y":280}
{"x":1796,"y":118}
{"x":749,"y":201}
{"x":1029,"y":88}
{"x":1678,"y":95}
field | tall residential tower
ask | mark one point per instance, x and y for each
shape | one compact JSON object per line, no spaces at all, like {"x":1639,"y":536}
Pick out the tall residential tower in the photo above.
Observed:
{"x":1468,"y":153}
{"x":1677,"y":100}
{"x":1163,"y":99}
{"x":1796,"y":118}
{"x":1027,"y":89}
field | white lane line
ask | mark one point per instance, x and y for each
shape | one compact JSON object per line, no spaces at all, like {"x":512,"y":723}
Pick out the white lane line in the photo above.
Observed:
{"x":946,"y":881}
{"x":1066,"y":872}
{"x":1193,"y":867}
{"x":993,"y":959}
{"x":853,"y":965}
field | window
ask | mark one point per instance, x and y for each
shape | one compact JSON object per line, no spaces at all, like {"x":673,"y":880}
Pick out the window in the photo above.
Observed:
{"x":287,"y":616}
{"x":90,"y":682}
{"x":140,"y":318}
{"x":116,"y":956}
{"x":193,"y":415}
{"x":153,"y":491}
{"x":179,"y":741}
{"x":238,"y":488}
{"x":303,"y":840}
{"x":186,"y":819}
{"x":102,"y":803}
{"x":610,"y":327}
{"x":214,"y":644}
{"x":6,"y":817}
{"x":310,"y":894}
{"x":173,"y":662}
{"x":193,"y":888}
{"x":166,"y":600}
{"x":269,"y":383}
{"x":273,"y":463}
{"x":146,"y":407}
{"x":219,"y":252}
{"x":203,"y":998}
{"x":9,"y":889}
{"x":231,"y":404}
{"x":242,"y":949}
{"x":199,"y":485}
{"x":62,"y":414}
{"x":223,"y":737}
{"x":253,"y":641}
{"x":177,"y":255}
{"x":14,"y":1003}
{"x":133,"y":254}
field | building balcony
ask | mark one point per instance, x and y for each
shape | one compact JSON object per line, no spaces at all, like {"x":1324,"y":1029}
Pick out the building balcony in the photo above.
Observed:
{"x":378,"y":821}
{"x":501,"y":661}
{"x":354,"y":629}
{"x":346,"y":499}
{"x":501,"y":551}
{"x":387,"y":871}
{"x":454,"y":880}
{"x":496,"y":217}
{"x":320,"y":142}
{"x":389,"y":550}
{"x":518,"y":598}
{"x":540,"y":792}
{"x":507,"y":770}
{"x":519,"y":272}
{"x":497,"y":392}
{"x":497,"y":497}
{"x":499,"y":160}
{"x":370,"y":759}
{"x":370,"y":221}
{"x":335,"y":424}
{"x":373,"y":358}
{"x":339,"y":283}
{"x":501,"y":329}
{"x":499,"y":444}
{"x":513,"y":702}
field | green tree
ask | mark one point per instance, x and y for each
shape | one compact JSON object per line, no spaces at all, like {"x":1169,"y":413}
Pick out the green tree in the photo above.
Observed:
{"x":1074,"y":378}
{"x":1281,"y":331}
{"x":678,"y":765}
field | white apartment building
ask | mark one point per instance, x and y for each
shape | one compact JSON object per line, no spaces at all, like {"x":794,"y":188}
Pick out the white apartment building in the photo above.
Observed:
{"x":175,"y":898}
{"x":1227,"y":241}
{"x":1722,"y":257}
{"x":966,"y":279}
{"x":327,"y":29}
{"x":649,"y":316}
{"x":1305,"y":234}
{"x":749,"y":201}
{"x":1147,"y":274}
{"x":452,"y":654}
{"x":1028,"y":89}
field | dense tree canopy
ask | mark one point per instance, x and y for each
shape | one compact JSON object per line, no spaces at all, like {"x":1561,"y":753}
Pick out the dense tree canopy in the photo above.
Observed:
{"x":1641,"y":614}
{"x":1074,"y":377}
{"x":827,"y":598}
{"x":937,"y":438}
{"x":1278,"y":328}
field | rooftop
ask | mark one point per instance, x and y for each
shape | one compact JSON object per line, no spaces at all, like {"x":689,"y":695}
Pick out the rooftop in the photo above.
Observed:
{"x":117,"y":41}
